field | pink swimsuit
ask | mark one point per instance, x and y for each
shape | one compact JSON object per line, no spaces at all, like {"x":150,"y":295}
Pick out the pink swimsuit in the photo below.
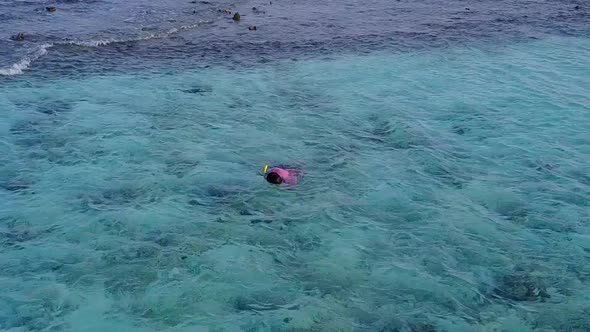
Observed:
{"x":289,"y":176}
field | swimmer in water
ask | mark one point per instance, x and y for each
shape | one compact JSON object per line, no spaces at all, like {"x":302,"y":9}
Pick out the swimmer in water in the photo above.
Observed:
{"x":280,"y":175}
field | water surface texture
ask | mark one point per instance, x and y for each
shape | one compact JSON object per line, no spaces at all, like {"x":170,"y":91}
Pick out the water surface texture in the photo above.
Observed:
{"x":444,"y":144}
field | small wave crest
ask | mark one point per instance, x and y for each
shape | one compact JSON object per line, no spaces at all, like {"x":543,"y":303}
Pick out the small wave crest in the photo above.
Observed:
{"x":19,"y":67}
{"x":162,"y":35}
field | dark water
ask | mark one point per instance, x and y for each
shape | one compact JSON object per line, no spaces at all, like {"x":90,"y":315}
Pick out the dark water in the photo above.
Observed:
{"x":107,"y":35}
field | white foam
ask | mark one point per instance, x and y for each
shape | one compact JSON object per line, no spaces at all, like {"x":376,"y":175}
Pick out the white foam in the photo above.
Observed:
{"x":19,"y":67}
{"x":16,"y":68}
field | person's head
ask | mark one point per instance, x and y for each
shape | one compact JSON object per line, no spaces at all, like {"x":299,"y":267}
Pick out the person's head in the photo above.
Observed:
{"x":274,"y":177}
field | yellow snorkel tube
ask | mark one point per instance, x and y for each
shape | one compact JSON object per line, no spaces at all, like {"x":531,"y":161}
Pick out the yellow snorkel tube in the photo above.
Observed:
{"x":264,"y":169}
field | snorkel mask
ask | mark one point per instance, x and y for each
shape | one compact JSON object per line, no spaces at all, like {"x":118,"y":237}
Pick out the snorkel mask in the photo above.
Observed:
{"x":272,"y":177}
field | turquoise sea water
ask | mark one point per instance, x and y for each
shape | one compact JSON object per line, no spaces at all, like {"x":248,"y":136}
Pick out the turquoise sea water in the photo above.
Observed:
{"x":446,"y":186}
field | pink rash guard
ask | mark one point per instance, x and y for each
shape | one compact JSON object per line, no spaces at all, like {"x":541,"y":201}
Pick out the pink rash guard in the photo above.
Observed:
{"x":289,"y":176}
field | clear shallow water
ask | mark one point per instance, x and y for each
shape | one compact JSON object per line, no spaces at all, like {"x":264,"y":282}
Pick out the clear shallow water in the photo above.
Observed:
{"x":446,"y":184}
{"x":445,"y":187}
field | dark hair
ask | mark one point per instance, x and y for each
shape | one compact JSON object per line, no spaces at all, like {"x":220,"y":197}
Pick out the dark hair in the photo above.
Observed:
{"x":274,"y":177}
